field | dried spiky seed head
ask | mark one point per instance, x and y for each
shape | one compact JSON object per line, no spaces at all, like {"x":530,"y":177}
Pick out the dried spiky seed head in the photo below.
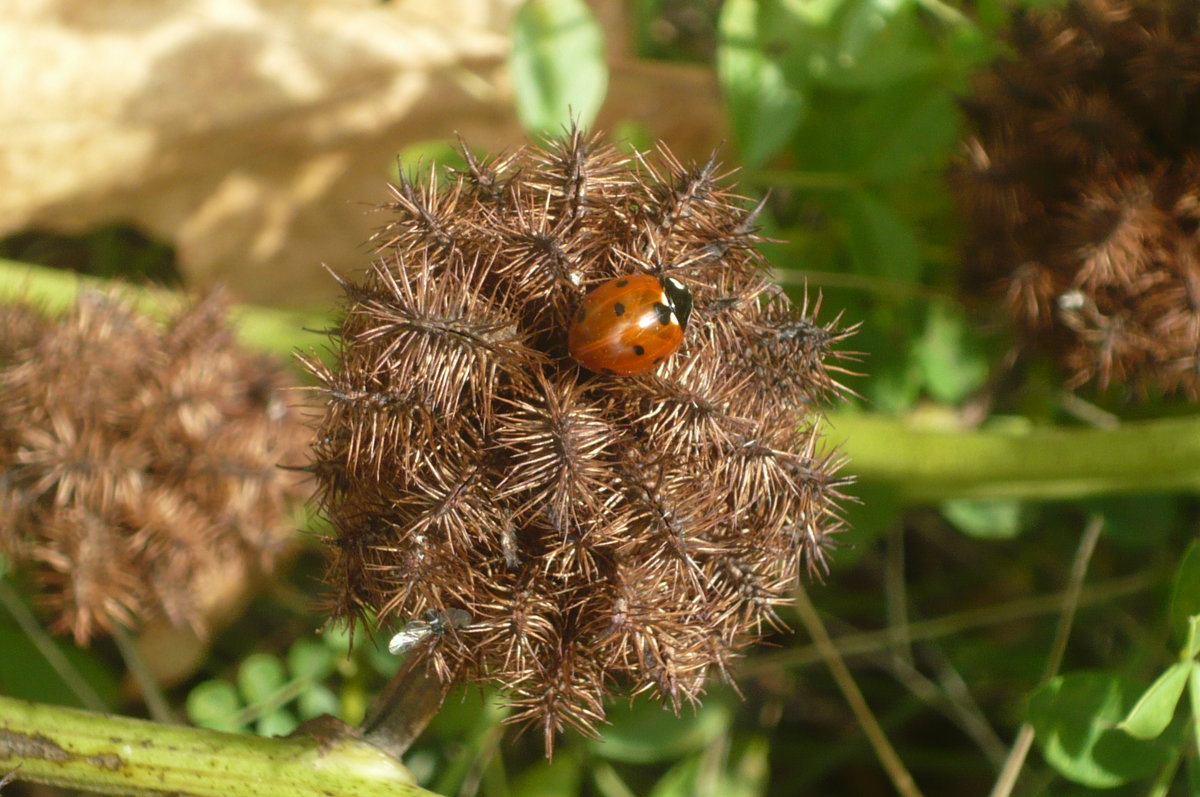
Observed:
{"x":596,"y":530}
{"x":138,"y":463}
{"x":1079,"y":189}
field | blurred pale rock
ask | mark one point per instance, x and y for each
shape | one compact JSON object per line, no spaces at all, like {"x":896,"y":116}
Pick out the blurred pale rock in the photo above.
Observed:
{"x":253,"y":134}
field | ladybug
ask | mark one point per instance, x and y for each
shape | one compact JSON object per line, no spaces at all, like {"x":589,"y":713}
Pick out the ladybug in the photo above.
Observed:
{"x":628,"y":325}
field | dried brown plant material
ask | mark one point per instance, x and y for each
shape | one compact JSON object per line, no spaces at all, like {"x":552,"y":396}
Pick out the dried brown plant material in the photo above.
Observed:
{"x":138,"y":462}
{"x":1079,"y":187}
{"x":596,"y":530}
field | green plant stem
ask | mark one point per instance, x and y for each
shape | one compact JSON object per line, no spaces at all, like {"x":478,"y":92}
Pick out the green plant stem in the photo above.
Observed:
{"x":119,"y":755}
{"x":405,"y":706}
{"x":921,"y":466}
{"x":55,"y":290}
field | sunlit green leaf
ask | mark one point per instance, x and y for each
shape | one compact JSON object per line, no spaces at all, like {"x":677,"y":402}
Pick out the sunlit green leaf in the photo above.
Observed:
{"x":308,"y":658}
{"x":557,"y":64}
{"x":1075,"y":718}
{"x":417,"y":159}
{"x":1154,"y":710}
{"x":680,"y":780}
{"x":317,"y":700}
{"x":1194,"y":694}
{"x":952,"y":361}
{"x":880,"y":241}
{"x":559,"y":776}
{"x":764,"y":106}
{"x":260,"y":676}
{"x":214,"y":705}
{"x":279,"y":722}
{"x":1185,"y":596}
{"x":985,"y":518}
{"x":647,"y":732}
{"x":921,"y":134}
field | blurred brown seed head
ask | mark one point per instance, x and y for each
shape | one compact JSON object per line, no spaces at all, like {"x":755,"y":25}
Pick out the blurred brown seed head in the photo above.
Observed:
{"x":1079,"y":186}
{"x":138,"y":464}
{"x":596,"y":529}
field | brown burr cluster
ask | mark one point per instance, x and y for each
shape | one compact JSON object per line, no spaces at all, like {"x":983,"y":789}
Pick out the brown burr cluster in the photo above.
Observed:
{"x":1081,"y":190}
{"x":596,"y":530}
{"x":138,"y":464}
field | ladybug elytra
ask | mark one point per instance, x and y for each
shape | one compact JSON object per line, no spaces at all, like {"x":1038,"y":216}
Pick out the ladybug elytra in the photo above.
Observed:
{"x":630,"y":324}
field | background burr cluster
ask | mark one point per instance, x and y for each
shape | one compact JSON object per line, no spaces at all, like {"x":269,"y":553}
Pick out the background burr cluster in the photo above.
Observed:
{"x":598,"y":530}
{"x":1081,"y":189}
{"x":138,"y":464}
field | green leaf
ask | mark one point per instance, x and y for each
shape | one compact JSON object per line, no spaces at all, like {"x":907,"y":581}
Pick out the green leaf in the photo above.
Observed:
{"x":875,"y":44}
{"x":1194,"y":694}
{"x":24,"y":672}
{"x":646,"y":732}
{"x":1153,"y":712}
{"x":765,"y":107}
{"x":554,"y":778}
{"x":260,"y":676}
{"x":1074,"y":717}
{"x":316,"y":701}
{"x":1191,"y":646}
{"x":417,"y":159}
{"x":279,"y":722}
{"x":985,"y":518}
{"x":951,"y":360}
{"x":557,"y":65}
{"x":751,"y":772}
{"x":1185,"y":596}
{"x":921,"y":133}
{"x":872,"y":513}
{"x":336,"y":637}
{"x":880,"y":241}
{"x":310,"y":659}
{"x":214,"y":705}
{"x":746,"y":774}
{"x":1136,"y":521}
{"x":680,"y":780}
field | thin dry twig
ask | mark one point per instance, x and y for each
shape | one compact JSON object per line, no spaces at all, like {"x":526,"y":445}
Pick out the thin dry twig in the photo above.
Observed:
{"x":151,"y":690}
{"x":867,"y":642}
{"x":901,"y":778}
{"x":1020,"y":749}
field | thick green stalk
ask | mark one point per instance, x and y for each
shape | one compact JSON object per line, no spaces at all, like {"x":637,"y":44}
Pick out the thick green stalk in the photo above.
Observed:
{"x":921,"y":465}
{"x":55,"y":290}
{"x":119,"y":755}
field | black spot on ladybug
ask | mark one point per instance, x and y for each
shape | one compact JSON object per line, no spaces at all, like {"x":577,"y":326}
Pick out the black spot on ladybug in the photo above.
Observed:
{"x":622,"y":283}
{"x":579,"y":316}
{"x":619,"y":308}
{"x":663,"y":312}
{"x":609,"y":371}
{"x":639,"y":350}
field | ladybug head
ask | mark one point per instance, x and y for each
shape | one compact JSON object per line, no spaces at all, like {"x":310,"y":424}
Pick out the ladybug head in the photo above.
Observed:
{"x":681,"y":299}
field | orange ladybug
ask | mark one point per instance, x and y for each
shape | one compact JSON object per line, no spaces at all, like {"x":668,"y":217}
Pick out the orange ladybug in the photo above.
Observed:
{"x":630,"y":324}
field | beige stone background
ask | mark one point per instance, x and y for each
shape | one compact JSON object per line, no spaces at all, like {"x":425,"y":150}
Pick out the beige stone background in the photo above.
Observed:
{"x":254,"y":135}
